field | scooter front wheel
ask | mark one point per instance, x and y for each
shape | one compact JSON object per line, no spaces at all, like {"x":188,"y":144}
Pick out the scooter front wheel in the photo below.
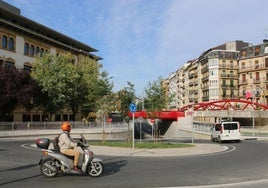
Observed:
{"x":95,"y":169}
{"x":49,"y":168}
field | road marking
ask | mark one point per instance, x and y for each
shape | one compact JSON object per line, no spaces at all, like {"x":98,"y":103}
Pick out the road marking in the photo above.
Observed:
{"x":254,"y":183}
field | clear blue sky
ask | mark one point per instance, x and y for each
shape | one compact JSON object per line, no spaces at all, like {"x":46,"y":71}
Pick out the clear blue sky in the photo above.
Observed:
{"x":141,"y":40}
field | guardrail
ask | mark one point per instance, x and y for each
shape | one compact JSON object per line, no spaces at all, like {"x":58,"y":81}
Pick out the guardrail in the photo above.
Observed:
{"x":245,"y":130}
{"x":50,"y":129}
{"x":14,"y":126}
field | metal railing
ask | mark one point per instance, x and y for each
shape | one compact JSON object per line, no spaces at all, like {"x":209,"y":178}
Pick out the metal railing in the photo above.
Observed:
{"x":16,"y":126}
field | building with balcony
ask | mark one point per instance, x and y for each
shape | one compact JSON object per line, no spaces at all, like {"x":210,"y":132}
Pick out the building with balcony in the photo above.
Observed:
{"x":253,"y":72}
{"x":172,"y":91}
{"x":213,"y":75}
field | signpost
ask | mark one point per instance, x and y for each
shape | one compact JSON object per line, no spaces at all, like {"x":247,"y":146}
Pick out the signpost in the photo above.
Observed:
{"x":140,"y":119}
{"x":191,"y":113}
{"x":133,"y":109}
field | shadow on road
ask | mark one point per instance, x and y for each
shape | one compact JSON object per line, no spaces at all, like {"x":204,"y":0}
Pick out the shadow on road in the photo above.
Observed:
{"x":113,"y":167}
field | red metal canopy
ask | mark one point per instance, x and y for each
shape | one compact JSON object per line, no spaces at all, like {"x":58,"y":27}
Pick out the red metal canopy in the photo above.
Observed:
{"x":168,"y":115}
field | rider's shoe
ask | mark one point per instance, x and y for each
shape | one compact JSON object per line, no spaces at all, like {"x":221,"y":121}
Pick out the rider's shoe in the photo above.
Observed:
{"x":77,"y":169}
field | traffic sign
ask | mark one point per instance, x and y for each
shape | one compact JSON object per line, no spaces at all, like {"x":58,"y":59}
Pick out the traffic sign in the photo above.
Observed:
{"x":132,"y":107}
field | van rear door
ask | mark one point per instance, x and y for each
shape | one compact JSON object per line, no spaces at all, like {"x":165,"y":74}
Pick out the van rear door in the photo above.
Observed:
{"x":231,"y":130}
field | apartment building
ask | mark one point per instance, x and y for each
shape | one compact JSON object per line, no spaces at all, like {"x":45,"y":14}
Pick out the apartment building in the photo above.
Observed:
{"x":172,"y":90}
{"x":221,"y":75}
{"x":253,"y":73}
{"x":214,"y":75}
{"x":181,"y":93}
{"x":22,"y":39}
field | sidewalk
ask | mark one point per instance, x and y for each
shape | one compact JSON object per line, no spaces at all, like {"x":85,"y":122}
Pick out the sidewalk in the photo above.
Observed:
{"x":197,"y":149}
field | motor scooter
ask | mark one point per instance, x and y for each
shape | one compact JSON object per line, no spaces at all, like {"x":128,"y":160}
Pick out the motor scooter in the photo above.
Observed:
{"x":53,"y":162}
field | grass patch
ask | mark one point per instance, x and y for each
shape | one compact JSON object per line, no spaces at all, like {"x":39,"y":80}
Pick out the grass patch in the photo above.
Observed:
{"x":141,"y":145}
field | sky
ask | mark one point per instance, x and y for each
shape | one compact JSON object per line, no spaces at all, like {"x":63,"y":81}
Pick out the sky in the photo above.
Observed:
{"x":141,"y":41}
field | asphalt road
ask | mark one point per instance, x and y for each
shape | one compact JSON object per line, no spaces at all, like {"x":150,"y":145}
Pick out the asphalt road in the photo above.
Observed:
{"x":247,"y":163}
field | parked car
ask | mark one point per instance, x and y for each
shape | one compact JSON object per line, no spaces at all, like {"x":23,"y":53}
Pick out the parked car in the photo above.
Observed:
{"x":226,"y":131}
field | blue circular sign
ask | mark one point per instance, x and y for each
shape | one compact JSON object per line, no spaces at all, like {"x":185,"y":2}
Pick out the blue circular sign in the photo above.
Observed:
{"x":132,"y":107}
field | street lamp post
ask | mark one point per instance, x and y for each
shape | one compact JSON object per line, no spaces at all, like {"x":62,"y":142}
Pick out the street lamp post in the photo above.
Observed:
{"x":253,"y":114}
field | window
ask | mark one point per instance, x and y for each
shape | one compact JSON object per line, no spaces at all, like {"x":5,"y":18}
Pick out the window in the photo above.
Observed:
{"x":9,"y":64}
{"x":57,"y":117}
{"x":42,"y":52}
{"x":31,"y":50}
{"x":44,"y":117}
{"x":244,"y":53}
{"x":65,"y":117}
{"x":223,"y":83}
{"x":243,"y":66}
{"x":231,"y":64}
{"x":218,"y":127}
{"x":256,"y":64}
{"x":36,"y":117}
{"x":232,"y":93}
{"x":36,"y":50}
{"x":11,"y":44}
{"x":26,"y":49}
{"x":27,"y":68}
{"x":244,"y":78}
{"x":257,"y":74}
{"x":26,"y":117}
{"x":266,"y":62}
{"x":257,"y":51}
{"x":223,"y":93}
{"x":232,"y":73}
{"x":232,"y":83}
{"x":230,"y":126}
{"x":4,"y":41}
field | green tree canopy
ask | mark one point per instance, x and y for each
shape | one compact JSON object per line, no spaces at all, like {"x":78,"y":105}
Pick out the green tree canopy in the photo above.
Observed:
{"x":69,"y":84}
{"x":126,"y":96}
{"x":17,"y":88}
{"x":156,"y":98}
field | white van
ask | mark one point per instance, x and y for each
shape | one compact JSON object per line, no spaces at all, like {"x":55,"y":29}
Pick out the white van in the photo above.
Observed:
{"x":226,"y":131}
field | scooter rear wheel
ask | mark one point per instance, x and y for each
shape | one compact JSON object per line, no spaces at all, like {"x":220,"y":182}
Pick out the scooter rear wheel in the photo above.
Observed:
{"x":49,"y":168}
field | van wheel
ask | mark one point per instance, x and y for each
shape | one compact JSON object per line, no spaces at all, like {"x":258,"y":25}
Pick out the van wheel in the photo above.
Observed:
{"x":211,"y":138}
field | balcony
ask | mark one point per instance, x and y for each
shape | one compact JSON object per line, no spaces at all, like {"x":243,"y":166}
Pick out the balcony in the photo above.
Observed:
{"x":204,"y":69}
{"x":204,"y":88}
{"x":205,"y":78}
{"x":265,"y":93}
{"x":224,"y":66}
{"x":233,"y":76}
{"x":243,"y":82}
{"x":205,"y":98}
{"x":256,"y":81}
{"x":252,"y":68}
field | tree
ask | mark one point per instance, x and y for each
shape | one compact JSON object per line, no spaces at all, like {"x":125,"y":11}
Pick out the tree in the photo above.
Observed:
{"x":156,"y":98}
{"x":101,"y":90}
{"x":126,"y":96}
{"x":17,"y":88}
{"x":50,"y":72}
{"x":68,"y":84}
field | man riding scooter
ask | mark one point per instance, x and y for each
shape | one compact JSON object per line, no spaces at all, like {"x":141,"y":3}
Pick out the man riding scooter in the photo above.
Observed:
{"x":67,"y":145}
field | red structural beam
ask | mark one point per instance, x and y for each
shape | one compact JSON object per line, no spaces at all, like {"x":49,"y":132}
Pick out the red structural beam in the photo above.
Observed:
{"x":167,"y":115}
{"x":225,"y":105}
